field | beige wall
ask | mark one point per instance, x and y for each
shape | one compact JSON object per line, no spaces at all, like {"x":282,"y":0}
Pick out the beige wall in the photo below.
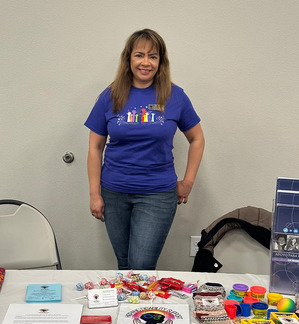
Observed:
{"x":237,"y":61}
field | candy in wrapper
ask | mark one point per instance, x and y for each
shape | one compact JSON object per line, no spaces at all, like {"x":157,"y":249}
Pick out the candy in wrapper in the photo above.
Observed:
{"x":80,"y":286}
{"x":153,"y":286}
{"x":134,"y":300}
{"x":143,"y":277}
{"x":103,"y":282}
{"x":171,"y":283}
{"x":143,"y":295}
{"x":129,"y":274}
{"x":2,"y":275}
{"x":163,"y":294}
{"x":121,"y":297}
{"x":178,"y":294}
{"x":151,"y":295}
{"x":135,"y":277}
{"x":152,"y":279}
{"x":118,"y":277}
{"x":89,"y":285}
{"x":96,"y":319}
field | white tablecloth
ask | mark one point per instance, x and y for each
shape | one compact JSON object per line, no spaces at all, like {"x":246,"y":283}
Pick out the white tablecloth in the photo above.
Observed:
{"x":16,"y":281}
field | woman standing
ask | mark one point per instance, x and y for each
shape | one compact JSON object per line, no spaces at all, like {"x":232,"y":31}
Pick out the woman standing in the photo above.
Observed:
{"x":135,"y":190}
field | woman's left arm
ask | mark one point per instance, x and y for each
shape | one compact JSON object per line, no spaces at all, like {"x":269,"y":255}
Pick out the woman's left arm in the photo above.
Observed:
{"x":196,"y":140}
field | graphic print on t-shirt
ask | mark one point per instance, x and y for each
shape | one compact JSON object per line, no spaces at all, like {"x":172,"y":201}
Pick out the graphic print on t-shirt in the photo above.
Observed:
{"x":141,"y":115}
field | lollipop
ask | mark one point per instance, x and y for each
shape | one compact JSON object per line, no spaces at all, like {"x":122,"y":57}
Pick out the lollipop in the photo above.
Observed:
{"x":129,"y":274}
{"x":89,"y":285}
{"x":112,"y":283}
{"x":80,"y":286}
{"x":134,"y":300}
{"x":143,"y":295}
{"x":143,"y":277}
{"x":103,"y":282}
{"x":121,"y":297}
{"x":151,"y":296}
{"x":152,"y":279}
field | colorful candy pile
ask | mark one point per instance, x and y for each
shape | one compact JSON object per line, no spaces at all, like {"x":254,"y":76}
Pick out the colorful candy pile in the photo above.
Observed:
{"x":133,"y":287}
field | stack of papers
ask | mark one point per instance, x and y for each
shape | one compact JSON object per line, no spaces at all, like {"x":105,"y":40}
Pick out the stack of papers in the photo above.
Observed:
{"x":43,"y":313}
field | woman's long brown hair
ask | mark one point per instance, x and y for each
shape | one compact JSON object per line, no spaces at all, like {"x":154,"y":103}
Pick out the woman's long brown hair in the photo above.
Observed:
{"x":121,"y":86}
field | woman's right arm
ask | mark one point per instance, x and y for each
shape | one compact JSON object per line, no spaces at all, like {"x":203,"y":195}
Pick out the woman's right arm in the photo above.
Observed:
{"x":94,"y":167}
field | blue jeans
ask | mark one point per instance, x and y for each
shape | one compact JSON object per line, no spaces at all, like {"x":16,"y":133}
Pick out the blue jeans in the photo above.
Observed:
{"x":137,"y":225}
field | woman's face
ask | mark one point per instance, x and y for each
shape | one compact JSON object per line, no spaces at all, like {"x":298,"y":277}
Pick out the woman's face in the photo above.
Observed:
{"x":144,"y":64}
{"x":281,"y":240}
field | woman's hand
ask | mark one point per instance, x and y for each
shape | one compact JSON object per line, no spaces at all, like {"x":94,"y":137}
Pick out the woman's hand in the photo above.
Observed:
{"x":97,"y":207}
{"x":94,"y":166}
{"x":197,"y":142}
{"x":183,"y":191}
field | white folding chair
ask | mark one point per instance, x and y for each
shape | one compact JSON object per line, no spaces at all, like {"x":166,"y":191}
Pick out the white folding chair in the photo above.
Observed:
{"x":27,"y":240}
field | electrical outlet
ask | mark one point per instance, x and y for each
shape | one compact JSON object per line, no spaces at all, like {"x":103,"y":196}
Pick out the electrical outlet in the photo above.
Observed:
{"x":193,"y":244}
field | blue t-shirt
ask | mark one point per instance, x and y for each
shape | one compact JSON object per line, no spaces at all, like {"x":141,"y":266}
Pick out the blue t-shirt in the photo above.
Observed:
{"x":138,"y":156}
